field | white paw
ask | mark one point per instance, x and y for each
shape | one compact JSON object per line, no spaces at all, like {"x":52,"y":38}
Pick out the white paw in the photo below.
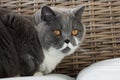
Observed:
{"x":38,"y":74}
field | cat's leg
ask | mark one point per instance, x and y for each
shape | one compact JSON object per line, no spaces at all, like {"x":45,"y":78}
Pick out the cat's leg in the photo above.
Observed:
{"x":38,"y":74}
{"x":30,"y":65}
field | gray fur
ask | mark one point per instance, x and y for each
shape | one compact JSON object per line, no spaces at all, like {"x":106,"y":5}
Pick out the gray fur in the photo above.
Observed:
{"x":20,"y":50}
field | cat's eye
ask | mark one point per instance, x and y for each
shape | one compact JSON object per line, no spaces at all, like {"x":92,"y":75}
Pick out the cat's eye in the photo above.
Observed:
{"x":57,"y":32}
{"x":75,"y":32}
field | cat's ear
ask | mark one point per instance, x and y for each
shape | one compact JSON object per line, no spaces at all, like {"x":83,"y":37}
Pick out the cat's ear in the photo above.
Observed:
{"x":79,"y":11}
{"x":47,"y":13}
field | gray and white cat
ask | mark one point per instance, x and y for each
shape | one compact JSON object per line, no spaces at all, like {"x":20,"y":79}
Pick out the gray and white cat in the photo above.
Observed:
{"x":60,"y":33}
{"x":29,"y":45}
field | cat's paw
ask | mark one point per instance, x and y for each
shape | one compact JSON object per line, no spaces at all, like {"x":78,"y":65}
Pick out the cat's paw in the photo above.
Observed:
{"x":38,"y":74}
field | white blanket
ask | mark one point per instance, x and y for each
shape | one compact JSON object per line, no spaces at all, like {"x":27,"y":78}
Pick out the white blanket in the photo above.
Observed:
{"x":48,"y":77}
{"x":103,"y":70}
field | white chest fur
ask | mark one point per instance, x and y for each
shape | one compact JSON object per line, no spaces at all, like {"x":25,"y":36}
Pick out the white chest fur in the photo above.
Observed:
{"x":52,"y":58}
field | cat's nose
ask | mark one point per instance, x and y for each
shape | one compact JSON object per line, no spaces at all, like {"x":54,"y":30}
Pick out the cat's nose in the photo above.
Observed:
{"x":67,"y":41}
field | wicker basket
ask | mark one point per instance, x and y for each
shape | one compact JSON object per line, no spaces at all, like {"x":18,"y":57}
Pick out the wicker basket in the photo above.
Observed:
{"x":102,"y":20}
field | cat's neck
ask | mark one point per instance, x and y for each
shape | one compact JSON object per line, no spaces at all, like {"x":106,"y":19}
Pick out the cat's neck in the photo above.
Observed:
{"x":52,"y":58}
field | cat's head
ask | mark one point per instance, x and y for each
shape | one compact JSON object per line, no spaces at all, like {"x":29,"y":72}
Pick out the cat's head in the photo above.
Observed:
{"x":60,"y":28}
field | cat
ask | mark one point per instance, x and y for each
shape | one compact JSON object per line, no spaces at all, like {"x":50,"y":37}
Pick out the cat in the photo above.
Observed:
{"x":38,"y":43}
{"x":60,"y":32}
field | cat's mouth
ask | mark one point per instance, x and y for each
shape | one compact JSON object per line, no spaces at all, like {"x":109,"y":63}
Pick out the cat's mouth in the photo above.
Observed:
{"x":66,"y":50}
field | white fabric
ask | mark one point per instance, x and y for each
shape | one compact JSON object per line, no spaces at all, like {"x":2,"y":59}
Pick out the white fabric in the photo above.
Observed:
{"x":48,"y":77}
{"x":103,"y":70}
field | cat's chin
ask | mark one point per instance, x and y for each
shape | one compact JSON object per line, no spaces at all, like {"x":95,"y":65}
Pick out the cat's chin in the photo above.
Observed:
{"x":66,"y":50}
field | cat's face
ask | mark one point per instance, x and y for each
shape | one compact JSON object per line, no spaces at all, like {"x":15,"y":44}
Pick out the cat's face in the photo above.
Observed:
{"x":61,"y":29}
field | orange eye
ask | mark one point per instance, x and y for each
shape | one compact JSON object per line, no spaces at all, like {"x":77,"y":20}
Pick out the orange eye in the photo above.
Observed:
{"x":75,"y":32}
{"x":57,"y":32}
